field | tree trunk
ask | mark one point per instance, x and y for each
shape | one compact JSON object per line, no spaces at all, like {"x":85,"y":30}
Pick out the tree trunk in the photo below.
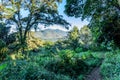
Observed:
{"x":22,"y":41}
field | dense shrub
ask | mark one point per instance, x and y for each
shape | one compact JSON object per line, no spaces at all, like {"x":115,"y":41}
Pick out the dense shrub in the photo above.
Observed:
{"x":22,"y":70}
{"x":79,"y":49}
{"x":110,"y":69}
{"x":73,"y":69}
{"x":92,"y":60}
{"x":60,"y":45}
{"x":41,"y":59}
{"x":3,"y":52}
{"x":67,"y":64}
{"x":66,"y":55}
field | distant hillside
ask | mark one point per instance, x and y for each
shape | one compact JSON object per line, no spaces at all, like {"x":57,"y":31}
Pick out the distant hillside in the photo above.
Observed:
{"x":51,"y":34}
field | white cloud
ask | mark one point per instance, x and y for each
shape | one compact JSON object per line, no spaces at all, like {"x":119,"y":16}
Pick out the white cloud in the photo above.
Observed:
{"x":42,"y":27}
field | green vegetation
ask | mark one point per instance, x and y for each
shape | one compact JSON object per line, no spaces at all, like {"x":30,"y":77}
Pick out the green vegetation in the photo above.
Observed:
{"x":74,"y":37}
{"x":65,"y":65}
{"x":103,"y":16}
{"x":93,"y":52}
{"x":44,"y":12}
{"x":110,"y":66}
{"x":57,"y":60}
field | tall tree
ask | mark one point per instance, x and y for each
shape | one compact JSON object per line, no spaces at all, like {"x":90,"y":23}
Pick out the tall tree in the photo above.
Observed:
{"x":73,"y":37}
{"x":104,"y":16}
{"x":85,"y":37}
{"x":26,"y":14}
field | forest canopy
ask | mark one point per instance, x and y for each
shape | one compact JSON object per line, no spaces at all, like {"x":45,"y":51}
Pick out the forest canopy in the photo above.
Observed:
{"x":104,"y":17}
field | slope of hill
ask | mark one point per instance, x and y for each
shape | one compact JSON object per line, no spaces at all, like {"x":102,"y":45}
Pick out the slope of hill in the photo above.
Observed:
{"x":50,"y":34}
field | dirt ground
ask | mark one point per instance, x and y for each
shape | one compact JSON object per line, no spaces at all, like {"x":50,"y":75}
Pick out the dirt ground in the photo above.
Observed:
{"x":94,"y":75}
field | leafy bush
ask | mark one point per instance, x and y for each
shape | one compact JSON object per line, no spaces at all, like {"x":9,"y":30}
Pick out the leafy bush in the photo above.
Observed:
{"x":3,"y":53}
{"x":66,"y":55}
{"x":67,"y":64}
{"x":48,"y":44}
{"x":3,"y":50}
{"x":73,"y":69}
{"x":3,"y":66}
{"x":90,"y":59}
{"x":84,"y":55}
{"x":22,"y":70}
{"x":60,"y":45}
{"x":79,"y":49}
{"x":110,"y":69}
{"x":41,"y":59}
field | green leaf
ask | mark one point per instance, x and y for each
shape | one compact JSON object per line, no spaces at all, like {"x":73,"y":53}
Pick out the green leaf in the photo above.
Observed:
{"x":3,"y":66}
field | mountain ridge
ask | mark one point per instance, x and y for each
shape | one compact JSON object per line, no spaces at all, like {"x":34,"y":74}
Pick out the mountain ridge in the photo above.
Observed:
{"x":51,"y":34}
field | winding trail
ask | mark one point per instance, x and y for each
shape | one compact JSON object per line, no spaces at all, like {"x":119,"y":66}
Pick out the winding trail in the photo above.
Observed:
{"x":94,"y":75}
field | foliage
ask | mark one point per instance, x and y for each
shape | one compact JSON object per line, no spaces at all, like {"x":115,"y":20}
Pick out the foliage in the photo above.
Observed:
{"x":73,"y":37}
{"x":48,"y":44}
{"x":3,"y":50}
{"x":4,"y":34}
{"x":110,"y":67}
{"x":90,"y":58}
{"x":28,"y":70}
{"x":3,"y":66}
{"x":11,"y":38}
{"x":4,"y":31}
{"x":71,"y":61}
{"x":103,"y":15}
{"x":109,"y":46}
{"x":79,"y":49}
{"x":33,"y":44}
{"x":85,"y":37}
{"x":5,"y":40}
{"x":2,"y":43}
{"x":60,"y":45}
{"x":66,"y":55}
{"x":74,"y":34}
{"x":80,"y":38}
{"x":67,"y":64}
{"x":38,"y":12}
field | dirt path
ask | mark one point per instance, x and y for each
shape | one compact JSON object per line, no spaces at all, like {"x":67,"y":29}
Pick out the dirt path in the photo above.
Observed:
{"x":94,"y":75}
